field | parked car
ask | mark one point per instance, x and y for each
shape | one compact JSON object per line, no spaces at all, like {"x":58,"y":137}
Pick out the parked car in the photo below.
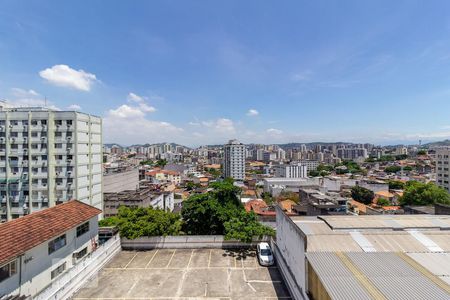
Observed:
{"x":265,"y":256}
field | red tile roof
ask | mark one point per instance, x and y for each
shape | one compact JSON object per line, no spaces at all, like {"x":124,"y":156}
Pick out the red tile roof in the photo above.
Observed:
{"x":22,"y":234}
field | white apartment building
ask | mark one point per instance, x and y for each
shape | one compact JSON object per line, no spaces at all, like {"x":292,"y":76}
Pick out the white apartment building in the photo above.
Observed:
{"x":351,"y":153}
{"x":310,"y":164}
{"x":401,"y":150}
{"x":48,"y":157}
{"x":443,"y":167}
{"x":234,"y":160}
{"x":38,"y":248}
{"x":297,"y":170}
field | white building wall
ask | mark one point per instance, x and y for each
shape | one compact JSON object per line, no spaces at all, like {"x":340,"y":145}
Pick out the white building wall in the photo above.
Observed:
{"x":35,"y":275}
{"x":44,"y":151}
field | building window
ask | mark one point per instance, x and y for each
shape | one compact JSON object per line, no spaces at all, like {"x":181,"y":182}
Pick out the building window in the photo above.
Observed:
{"x":8,"y":270}
{"x":56,"y":244}
{"x":81,"y":253}
{"x":82,"y":229}
{"x":56,"y":272}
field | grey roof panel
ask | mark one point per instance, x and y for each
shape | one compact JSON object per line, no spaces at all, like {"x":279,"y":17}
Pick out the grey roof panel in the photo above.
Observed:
{"x":336,"y":278}
{"x":395,"y":278}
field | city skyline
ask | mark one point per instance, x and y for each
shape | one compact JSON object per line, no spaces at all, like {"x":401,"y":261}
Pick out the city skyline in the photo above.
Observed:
{"x":204,"y":73}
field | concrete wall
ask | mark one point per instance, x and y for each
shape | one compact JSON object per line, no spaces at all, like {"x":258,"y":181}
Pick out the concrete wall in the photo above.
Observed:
{"x":118,"y":182}
{"x":183,"y":242}
{"x":289,"y":251}
{"x":65,"y":286}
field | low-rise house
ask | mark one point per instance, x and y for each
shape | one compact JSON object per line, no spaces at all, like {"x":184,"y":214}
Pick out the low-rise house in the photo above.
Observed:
{"x":147,"y":195}
{"x":37,"y":248}
{"x":159,"y":176}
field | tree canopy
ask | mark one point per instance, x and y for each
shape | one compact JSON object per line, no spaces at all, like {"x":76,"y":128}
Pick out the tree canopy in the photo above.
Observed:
{"x":392,"y":169}
{"x":418,"y":193}
{"x":396,"y":184}
{"x":137,"y":222}
{"x":362,"y":194}
{"x":221,"y":212}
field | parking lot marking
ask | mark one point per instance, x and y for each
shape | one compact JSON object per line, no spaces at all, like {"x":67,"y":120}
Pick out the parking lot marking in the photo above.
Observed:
{"x":130,"y":261}
{"x":251,"y":286}
{"x":173,"y":254}
{"x":190,"y":258}
{"x":151,"y":259}
{"x":209,"y":260}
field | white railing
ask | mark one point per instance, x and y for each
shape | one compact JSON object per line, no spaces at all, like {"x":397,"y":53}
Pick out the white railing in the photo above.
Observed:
{"x":71,"y":281}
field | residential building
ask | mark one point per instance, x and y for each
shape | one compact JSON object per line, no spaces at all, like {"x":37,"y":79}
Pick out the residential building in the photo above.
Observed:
{"x":311,"y":165}
{"x":364,"y":257}
{"x":401,"y":150}
{"x":147,"y":195}
{"x":317,"y":203}
{"x":48,"y":157}
{"x":352,"y":153}
{"x":294,"y":170}
{"x":234,"y":160}
{"x":36,"y":249}
{"x":160,"y":176}
{"x":443,"y":167}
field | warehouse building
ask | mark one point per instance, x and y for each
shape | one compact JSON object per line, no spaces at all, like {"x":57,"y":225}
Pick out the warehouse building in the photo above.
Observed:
{"x":364,"y":257}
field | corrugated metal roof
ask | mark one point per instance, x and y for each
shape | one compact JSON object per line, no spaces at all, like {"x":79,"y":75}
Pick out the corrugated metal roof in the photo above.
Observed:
{"x":394,"y":241}
{"x":442,"y":239}
{"x":395,"y":278}
{"x":336,"y":278}
{"x":331,"y":243}
{"x":436,"y":263}
{"x":387,"y":221}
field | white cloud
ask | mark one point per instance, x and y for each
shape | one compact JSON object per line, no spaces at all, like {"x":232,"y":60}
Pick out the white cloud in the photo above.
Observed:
{"x":273,"y":131}
{"x":129,"y":125}
{"x":63,"y":75}
{"x":74,"y":107}
{"x":141,"y":101}
{"x":301,"y":76}
{"x":28,"y":98}
{"x":252,"y":112}
{"x":221,"y":125}
{"x":125,"y":111}
{"x":21,"y":93}
{"x":132,"y":97}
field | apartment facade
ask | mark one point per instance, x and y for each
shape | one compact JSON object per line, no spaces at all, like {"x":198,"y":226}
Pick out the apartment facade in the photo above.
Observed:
{"x":443,"y":167}
{"x":234,"y":160}
{"x":297,"y":170}
{"x":48,"y":157}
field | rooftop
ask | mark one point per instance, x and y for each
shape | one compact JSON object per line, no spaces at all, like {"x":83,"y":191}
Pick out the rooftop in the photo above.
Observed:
{"x":22,"y":234}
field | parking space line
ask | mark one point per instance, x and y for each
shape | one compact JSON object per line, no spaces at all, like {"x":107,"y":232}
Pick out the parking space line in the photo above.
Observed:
{"x":151,"y":259}
{"x":190,"y":258}
{"x":170,"y":260}
{"x":209,"y":260}
{"x":130,"y":261}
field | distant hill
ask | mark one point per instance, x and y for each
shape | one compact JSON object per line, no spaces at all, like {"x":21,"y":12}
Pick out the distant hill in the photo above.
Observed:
{"x":437,"y":144}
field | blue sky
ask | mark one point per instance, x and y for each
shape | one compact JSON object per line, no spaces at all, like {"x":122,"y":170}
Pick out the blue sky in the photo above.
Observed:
{"x":197,"y":72}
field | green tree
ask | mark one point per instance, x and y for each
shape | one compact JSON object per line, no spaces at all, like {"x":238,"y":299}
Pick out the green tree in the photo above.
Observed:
{"x":313,"y":173}
{"x":383,"y":202}
{"x":208,"y":213}
{"x":407,"y":168}
{"x":244,"y":226}
{"x":137,"y":222}
{"x":418,"y":193}
{"x":392,"y":169}
{"x":396,"y":185}
{"x":422,"y":152}
{"x":161,"y":163}
{"x":267,"y":197}
{"x":362,"y":194}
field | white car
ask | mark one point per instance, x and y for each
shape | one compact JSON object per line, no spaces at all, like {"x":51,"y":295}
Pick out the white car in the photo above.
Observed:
{"x":265,"y":256}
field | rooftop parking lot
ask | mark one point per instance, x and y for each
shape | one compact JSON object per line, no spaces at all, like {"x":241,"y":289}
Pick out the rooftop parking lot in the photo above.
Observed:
{"x":185,"y":273}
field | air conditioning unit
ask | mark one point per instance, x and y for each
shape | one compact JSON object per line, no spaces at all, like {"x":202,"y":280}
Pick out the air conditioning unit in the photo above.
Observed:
{"x":69,"y":172}
{"x":44,"y":185}
{"x":69,"y":183}
{"x":43,"y":138}
{"x":68,"y":149}
{"x":2,"y":139}
{"x":69,"y":138}
{"x":57,"y":173}
{"x":69,"y":160}
{"x":10,"y":126}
